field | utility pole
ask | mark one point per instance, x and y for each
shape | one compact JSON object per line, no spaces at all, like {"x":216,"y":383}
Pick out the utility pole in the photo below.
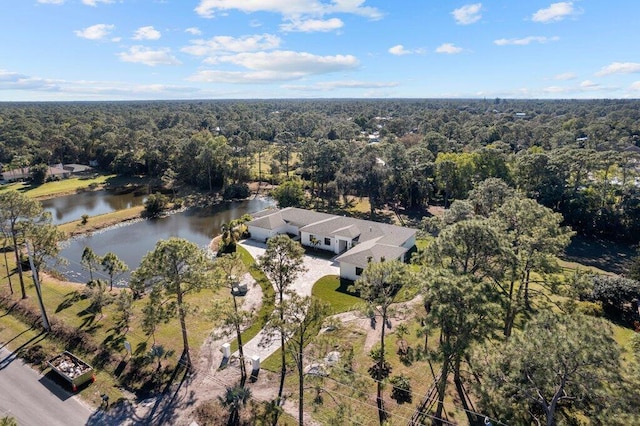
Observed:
{"x":36,"y":281}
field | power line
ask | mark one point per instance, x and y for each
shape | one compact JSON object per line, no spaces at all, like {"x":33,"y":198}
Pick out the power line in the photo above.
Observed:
{"x":180,"y":362}
{"x":414,"y":393}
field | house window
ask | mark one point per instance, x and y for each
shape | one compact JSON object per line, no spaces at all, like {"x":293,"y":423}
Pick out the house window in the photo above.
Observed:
{"x":327,"y":241}
{"x":358,"y":271}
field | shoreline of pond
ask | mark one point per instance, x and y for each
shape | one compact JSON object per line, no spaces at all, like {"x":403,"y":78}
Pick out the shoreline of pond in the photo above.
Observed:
{"x":198,"y":221}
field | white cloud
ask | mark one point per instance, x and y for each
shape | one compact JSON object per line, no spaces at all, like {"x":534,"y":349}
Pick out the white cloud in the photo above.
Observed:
{"x":288,"y":8}
{"x":554,"y":13}
{"x":467,"y":14}
{"x":16,"y":81}
{"x":264,"y":67}
{"x":146,"y":33}
{"x":8,"y":76}
{"x":217,"y":44}
{"x":635,"y":85}
{"x":147,"y":56}
{"x":348,"y":84}
{"x":589,"y":85}
{"x":524,"y":41}
{"x":87,"y":89}
{"x":94,"y":3}
{"x":95,"y":32}
{"x":555,"y":89}
{"x":399,"y":50}
{"x":193,"y":31}
{"x":565,"y":76}
{"x":448,"y":48}
{"x":241,"y":77}
{"x":312,"y":25}
{"x":620,"y":68}
{"x":51,"y":1}
{"x":292,"y":62}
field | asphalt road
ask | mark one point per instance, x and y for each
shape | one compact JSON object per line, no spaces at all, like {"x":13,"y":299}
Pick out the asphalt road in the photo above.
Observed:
{"x":34,"y":399}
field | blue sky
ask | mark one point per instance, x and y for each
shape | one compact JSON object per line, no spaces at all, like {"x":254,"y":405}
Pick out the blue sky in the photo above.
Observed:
{"x":220,"y":49}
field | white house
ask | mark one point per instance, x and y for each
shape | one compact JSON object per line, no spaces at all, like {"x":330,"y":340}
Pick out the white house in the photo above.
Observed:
{"x":356,"y":241}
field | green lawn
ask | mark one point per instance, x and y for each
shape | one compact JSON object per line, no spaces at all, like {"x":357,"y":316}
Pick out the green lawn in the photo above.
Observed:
{"x":333,"y":290}
{"x":65,"y":303}
{"x":64,"y":186}
{"x":74,"y":184}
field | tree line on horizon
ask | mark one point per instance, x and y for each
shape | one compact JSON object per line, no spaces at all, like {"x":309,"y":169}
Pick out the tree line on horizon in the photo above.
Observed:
{"x":580,"y":158}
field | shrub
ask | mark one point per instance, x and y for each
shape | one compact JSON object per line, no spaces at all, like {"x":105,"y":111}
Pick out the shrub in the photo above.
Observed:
{"x":85,"y":219}
{"x":236,"y":191}
{"x":401,"y":389}
{"x":591,"y":309}
{"x":155,"y":204}
{"x":34,"y":355}
{"x":289,"y":194}
{"x":615,"y":292}
{"x":39,"y":173}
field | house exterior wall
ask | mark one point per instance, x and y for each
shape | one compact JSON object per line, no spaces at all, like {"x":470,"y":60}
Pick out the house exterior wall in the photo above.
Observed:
{"x":410,"y":242}
{"x":289,"y":229}
{"x":261,"y":234}
{"x":348,"y":271}
{"x":305,"y":239}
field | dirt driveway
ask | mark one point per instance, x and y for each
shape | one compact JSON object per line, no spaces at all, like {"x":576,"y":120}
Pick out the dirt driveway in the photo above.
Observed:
{"x":317,"y":268}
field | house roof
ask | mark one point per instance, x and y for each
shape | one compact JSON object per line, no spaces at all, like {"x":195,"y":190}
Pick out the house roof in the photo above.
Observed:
{"x":374,"y":240}
{"x":55,"y":171}
{"x":269,"y":221}
{"x":77,"y":168}
{"x":301,"y":217}
{"x":16,"y":174}
{"x":350,"y":231}
{"x":370,"y":251}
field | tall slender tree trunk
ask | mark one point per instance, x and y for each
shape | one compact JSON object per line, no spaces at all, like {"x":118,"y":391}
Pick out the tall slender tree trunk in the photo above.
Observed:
{"x":457,"y":380}
{"x":442,"y":387}
{"x":300,"y":362}
{"x":185,"y":341}
{"x":283,"y":358}
{"x":243,"y":366}
{"x":527,"y":303}
{"x":379,"y":401}
{"x":19,"y":265}
{"x":6,"y":265}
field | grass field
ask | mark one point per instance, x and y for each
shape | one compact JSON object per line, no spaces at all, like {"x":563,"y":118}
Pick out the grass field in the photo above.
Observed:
{"x":65,"y":302}
{"x":73,"y":185}
{"x":334,"y":291}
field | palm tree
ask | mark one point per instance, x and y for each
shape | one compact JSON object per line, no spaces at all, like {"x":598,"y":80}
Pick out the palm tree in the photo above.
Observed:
{"x":233,"y":400}
{"x":229,"y":237}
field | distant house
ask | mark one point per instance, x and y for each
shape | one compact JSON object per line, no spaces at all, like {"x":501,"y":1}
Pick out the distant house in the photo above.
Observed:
{"x":16,"y":175}
{"x":356,"y":241}
{"x":54,"y":172}
{"x":78,"y":169}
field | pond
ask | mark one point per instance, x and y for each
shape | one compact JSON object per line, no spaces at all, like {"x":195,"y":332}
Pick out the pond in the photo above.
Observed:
{"x":71,"y":207}
{"x":130,"y":242}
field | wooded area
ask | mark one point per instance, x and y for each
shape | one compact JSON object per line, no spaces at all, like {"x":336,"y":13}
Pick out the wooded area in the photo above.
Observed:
{"x":579,"y":158}
{"x":507,"y":332}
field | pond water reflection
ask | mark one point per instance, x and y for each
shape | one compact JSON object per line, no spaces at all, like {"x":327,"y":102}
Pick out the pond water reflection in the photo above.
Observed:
{"x":130,"y":242}
{"x":71,"y":207}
